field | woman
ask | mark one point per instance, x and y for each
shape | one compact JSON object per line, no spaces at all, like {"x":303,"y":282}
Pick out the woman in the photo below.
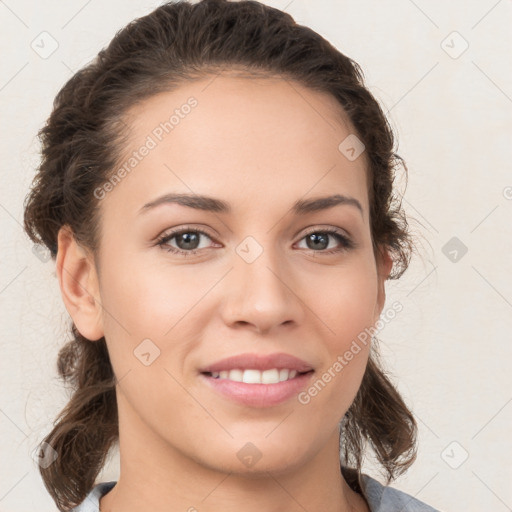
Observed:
{"x":216,"y":189}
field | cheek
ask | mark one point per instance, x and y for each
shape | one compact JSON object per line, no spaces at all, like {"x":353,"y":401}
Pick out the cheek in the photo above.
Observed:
{"x":158,"y":300}
{"x":148,"y":300}
{"x":159,"y":303}
{"x":346,"y":302}
{"x":143,"y":309}
{"x":347,"y":309}
{"x":346,"y":305}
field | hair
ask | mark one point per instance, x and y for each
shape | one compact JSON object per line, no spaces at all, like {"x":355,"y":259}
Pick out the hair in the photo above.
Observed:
{"x":82,"y":142}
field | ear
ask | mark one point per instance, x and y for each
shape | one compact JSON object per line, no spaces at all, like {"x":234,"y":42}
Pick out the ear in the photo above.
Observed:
{"x":384,"y":266}
{"x":79,"y":285}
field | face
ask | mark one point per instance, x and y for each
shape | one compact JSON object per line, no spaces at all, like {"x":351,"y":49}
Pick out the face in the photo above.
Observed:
{"x":256,"y":271}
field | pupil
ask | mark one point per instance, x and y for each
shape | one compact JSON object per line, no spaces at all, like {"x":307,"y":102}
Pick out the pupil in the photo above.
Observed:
{"x":186,"y":237}
{"x":314,"y":237}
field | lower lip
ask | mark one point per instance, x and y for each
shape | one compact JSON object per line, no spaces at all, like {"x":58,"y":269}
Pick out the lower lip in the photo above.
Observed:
{"x":259,"y":395}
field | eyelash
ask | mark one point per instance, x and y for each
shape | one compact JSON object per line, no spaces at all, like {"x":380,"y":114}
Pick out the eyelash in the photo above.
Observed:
{"x":346,"y":242}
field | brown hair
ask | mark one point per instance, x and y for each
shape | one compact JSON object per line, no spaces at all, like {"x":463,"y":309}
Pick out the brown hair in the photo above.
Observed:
{"x":82,"y":142}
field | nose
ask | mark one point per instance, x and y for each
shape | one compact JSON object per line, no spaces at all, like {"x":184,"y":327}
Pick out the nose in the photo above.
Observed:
{"x":261,"y":294}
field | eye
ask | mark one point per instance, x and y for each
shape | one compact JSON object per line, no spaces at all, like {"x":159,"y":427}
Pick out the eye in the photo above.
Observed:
{"x":319,"y":239}
{"x":187,"y":239}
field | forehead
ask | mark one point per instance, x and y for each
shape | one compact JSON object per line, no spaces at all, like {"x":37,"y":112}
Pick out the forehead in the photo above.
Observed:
{"x":229,"y":135}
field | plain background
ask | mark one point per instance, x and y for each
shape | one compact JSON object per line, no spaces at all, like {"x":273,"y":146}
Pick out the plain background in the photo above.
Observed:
{"x":440,"y":71}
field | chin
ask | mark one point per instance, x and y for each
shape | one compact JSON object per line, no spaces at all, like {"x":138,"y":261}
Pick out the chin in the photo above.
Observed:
{"x":256,"y":458}
{"x":274,"y":464}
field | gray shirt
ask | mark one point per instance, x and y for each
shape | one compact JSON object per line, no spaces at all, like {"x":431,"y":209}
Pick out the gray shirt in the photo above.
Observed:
{"x":380,"y":498}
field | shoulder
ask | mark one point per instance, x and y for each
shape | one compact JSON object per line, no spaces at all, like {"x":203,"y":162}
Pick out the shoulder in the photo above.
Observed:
{"x":383,"y":498}
{"x":380,"y":498}
{"x":91,"y":503}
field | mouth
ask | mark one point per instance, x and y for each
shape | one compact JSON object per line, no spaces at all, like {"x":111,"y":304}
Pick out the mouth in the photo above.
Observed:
{"x":255,"y":376}
{"x":255,"y":388}
{"x":258,"y":380}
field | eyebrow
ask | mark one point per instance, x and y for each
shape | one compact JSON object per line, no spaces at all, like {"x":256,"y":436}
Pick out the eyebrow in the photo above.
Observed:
{"x":212,"y":204}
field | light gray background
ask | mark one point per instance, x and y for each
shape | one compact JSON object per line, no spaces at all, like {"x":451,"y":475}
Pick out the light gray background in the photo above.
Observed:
{"x":449,"y":349}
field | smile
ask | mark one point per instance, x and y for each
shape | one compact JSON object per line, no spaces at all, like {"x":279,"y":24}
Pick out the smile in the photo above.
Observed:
{"x":255,"y":388}
{"x":252,"y":376}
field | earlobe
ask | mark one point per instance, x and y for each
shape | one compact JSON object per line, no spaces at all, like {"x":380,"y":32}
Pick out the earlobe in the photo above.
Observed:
{"x":79,"y":285}
{"x":384,"y":267}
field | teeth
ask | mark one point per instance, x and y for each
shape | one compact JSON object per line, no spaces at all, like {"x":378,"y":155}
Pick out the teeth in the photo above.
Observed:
{"x":236,"y":375}
{"x":272,"y":376}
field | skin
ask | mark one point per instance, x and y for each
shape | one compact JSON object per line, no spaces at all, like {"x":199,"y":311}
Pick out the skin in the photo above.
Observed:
{"x":260,"y":145}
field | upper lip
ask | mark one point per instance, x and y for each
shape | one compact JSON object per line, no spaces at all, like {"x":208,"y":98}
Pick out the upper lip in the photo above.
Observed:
{"x":259,"y":362}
